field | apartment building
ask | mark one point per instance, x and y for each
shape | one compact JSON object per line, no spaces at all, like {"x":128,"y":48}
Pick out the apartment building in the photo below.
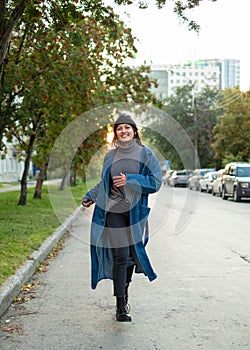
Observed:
{"x":212,"y":73}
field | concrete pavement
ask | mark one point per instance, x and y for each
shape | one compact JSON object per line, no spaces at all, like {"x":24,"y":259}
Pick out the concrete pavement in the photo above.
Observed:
{"x":30,"y":184}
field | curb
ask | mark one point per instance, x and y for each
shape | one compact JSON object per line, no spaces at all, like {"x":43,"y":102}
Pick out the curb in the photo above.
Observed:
{"x":13,"y":285}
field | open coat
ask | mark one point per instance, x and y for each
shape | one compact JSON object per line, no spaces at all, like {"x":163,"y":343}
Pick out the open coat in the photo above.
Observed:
{"x":148,"y":181}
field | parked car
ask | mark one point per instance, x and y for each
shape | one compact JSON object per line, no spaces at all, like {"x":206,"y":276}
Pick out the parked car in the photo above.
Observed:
{"x":193,"y":181}
{"x":236,"y":181}
{"x":206,"y":181}
{"x":179,"y":178}
{"x":217,"y":186}
{"x":167,"y":176}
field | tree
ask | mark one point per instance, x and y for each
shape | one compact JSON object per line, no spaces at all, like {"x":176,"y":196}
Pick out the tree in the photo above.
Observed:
{"x":61,"y":74}
{"x":206,"y":118}
{"x":232,"y":131}
{"x":196,"y":114}
{"x":20,"y":19}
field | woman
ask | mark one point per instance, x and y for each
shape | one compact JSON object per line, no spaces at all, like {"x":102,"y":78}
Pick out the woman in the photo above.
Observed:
{"x":119,"y":224}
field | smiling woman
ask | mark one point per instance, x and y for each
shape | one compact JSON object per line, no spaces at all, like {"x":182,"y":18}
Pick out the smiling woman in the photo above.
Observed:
{"x":119,"y":231}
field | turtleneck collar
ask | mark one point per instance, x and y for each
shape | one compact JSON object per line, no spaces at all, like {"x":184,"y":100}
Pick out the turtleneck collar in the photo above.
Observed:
{"x":129,"y":148}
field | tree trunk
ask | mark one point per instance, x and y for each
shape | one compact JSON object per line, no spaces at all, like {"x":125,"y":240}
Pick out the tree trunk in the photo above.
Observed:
{"x":23,"y":193}
{"x":65,"y":181}
{"x":84,"y":175}
{"x":7,"y":27}
{"x":73,"y":178}
{"x":40,"y":179}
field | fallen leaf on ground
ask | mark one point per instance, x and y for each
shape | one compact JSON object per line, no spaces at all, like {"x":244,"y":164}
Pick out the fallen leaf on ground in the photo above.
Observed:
{"x":8,"y":329}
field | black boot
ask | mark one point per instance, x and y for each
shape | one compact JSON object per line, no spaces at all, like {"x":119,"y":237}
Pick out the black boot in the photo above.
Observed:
{"x":122,"y":314}
{"x":126,"y":295}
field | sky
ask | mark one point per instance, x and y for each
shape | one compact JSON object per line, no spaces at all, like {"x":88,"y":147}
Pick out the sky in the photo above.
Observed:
{"x":162,"y":39}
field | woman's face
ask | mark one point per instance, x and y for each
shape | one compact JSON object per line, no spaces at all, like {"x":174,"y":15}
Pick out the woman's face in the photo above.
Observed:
{"x":125,"y":133}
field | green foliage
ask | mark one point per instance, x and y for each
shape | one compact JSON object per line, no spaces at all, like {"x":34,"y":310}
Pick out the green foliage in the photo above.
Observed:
{"x":159,"y":142}
{"x":206,"y":119}
{"x":232,"y":132}
{"x":196,"y":114}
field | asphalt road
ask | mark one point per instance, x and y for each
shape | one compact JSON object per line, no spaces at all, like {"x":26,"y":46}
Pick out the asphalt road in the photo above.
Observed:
{"x":200,"y":249}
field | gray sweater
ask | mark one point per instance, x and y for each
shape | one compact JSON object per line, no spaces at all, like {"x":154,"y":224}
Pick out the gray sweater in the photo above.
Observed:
{"x":126,"y":161}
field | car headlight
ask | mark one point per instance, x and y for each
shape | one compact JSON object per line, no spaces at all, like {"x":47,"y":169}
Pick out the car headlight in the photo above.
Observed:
{"x":244,"y":184}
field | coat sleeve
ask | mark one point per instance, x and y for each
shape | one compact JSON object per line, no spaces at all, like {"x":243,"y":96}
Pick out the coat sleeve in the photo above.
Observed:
{"x":150,"y":180}
{"x":93,"y":193}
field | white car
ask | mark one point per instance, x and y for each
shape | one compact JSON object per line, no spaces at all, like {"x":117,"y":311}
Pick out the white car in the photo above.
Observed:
{"x":217,"y":185}
{"x":206,"y":182}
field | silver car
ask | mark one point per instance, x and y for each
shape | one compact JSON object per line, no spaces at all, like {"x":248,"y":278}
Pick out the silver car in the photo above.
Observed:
{"x":179,"y":178}
{"x":236,"y":181}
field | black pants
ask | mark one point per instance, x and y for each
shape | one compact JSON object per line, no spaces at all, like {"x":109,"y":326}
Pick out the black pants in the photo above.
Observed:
{"x":118,"y":225}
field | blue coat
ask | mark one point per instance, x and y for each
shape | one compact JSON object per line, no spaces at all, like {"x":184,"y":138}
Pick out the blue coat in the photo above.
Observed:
{"x":148,"y":181}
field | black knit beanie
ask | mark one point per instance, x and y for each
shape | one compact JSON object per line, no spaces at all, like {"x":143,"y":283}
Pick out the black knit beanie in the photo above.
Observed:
{"x":124,"y":119}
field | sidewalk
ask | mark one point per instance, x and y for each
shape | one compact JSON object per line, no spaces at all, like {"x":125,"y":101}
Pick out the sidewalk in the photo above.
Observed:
{"x":30,"y":184}
{"x":13,"y":284}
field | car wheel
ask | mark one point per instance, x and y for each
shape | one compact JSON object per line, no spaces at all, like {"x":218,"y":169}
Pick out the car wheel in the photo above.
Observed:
{"x":223,"y":194}
{"x":207,"y":190}
{"x":236,"y":197}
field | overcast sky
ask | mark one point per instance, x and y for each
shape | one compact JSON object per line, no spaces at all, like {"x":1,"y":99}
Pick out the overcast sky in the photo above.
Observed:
{"x":162,"y":39}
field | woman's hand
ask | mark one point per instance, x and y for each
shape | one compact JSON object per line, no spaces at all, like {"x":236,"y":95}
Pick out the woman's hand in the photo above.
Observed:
{"x":119,"y":180}
{"x":86,"y":202}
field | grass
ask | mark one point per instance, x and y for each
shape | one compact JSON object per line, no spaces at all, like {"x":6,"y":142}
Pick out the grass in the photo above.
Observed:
{"x":24,"y":228}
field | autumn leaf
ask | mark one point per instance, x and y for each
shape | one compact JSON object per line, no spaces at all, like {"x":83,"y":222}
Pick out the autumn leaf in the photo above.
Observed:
{"x":8,"y":329}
